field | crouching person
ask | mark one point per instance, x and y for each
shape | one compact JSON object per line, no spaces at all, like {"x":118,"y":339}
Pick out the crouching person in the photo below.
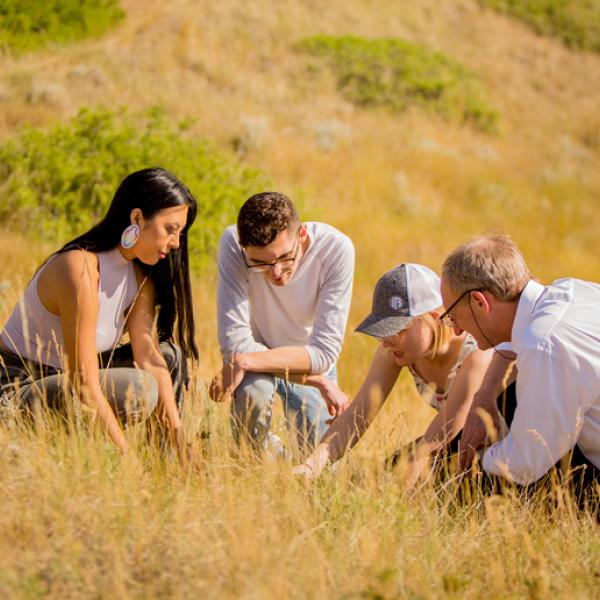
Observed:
{"x":283,"y":296}
{"x":554,"y":330}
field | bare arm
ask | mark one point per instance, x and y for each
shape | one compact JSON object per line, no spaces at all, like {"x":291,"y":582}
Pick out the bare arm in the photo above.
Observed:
{"x":450,"y":419}
{"x":285,"y":360}
{"x":289,"y":362}
{"x":147,"y":354}
{"x":74,"y":278}
{"x":346,"y":430}
{"x":149,"y":358}
{"x":501,"y":372}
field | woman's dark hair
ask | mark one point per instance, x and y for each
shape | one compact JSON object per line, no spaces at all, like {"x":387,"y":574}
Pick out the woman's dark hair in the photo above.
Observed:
{"x":152,"y":190}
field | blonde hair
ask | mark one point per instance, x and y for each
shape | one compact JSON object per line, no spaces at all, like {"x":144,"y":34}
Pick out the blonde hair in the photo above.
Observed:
{"x":441,"y":332}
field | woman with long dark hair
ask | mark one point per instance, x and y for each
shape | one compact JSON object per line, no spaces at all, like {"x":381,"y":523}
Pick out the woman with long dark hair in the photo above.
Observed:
{"x":128,"y":273}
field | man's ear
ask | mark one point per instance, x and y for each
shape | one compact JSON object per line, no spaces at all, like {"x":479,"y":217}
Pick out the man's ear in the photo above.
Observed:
{"x":303,"y":234}
{"x":481,"y":300}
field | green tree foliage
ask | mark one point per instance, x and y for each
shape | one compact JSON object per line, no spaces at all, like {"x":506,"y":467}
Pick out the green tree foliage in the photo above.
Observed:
{"x":30,"y":24}
{"x":397,"y":74}
{"x":575,"y":22}
{"x":59,"y":182}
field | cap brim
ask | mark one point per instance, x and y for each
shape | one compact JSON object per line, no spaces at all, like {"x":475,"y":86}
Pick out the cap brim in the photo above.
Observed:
{"x":383,"y":326}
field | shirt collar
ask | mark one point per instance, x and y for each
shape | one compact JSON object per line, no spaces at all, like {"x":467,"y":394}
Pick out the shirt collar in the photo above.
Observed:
{"x":529,"y":296}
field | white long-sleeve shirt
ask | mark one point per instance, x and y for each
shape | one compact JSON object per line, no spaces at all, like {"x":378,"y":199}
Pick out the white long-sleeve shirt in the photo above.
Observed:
{"x":310,"y":311}
{"x":556,"y":335}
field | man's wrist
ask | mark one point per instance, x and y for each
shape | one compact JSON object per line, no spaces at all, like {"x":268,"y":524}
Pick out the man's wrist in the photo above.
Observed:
{"x":319,"y":381}
{"x":243,"y":361}
{"x":486,"y":397}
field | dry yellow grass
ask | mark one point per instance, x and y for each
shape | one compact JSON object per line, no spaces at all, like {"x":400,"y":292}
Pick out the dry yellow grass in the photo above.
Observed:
{"x":76,"y":522}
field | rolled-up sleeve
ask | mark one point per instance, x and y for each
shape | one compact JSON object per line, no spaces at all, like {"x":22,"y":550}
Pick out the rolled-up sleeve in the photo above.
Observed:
{"x":233,"y":307}
{"x":551,"y":403}
{"x":333,"y":305}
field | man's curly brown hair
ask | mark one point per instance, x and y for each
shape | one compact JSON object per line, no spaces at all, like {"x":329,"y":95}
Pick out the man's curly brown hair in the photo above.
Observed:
{"x":263,"y":217}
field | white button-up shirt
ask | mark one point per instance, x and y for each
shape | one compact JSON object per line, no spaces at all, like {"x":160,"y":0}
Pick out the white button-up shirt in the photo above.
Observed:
{"x":556,"y":335}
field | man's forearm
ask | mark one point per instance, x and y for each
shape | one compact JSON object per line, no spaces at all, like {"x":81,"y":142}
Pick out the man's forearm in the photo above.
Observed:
{"x":500,"y":373}
{"x":286,"y":359}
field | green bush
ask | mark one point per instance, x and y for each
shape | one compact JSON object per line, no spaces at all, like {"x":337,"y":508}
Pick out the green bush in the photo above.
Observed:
{"x":59,"y":182}
{"x":30,"y":24}
{"x":575,"y":22}
{"x":397,"y":74}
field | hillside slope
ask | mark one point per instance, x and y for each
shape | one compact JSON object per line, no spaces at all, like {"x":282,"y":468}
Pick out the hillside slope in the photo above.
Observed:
{"x":406,"y":187}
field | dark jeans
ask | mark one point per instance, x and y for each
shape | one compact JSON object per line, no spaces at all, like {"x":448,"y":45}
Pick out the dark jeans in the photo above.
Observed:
{"x":131,"y":392}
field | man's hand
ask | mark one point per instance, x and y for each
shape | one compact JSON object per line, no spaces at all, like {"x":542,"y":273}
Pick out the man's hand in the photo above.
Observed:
{"x":224,"y":385}
{"x":481,"y":426}
{"x":337,"y":402}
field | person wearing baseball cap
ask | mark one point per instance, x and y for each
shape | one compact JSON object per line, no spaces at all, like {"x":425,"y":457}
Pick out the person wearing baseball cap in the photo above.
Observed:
{"x":447,"y":369}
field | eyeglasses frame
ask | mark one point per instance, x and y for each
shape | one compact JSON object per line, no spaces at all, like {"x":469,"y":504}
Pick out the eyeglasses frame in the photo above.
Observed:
{"x":260,"y":267}
{"x":446,"y":318}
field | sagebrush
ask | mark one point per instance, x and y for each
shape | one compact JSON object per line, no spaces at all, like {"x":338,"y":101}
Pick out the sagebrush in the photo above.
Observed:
{"x":58,"y":182}
{"x":397,"y":74}
{"x":29,"y":24}
{"x":575,"y":22}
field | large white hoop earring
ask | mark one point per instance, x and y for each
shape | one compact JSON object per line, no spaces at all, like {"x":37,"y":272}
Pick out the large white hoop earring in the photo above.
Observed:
{"x":130,"y":236}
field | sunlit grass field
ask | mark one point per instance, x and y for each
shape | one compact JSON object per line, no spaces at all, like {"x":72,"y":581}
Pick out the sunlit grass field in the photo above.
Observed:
{"x":77,"y":521}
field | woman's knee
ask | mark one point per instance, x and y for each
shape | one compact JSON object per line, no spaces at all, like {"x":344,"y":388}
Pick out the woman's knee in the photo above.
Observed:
{"x":132,"y":393}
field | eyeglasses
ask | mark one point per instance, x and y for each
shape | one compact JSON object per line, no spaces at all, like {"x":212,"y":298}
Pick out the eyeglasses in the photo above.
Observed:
{"x":282,"y":262}
{"x":446,"y":318}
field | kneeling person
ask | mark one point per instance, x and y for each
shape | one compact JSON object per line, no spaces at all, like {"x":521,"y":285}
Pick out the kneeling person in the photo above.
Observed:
{"x":447,"y":370}
{"x":555,"y":332}
{"x":283,"y":297}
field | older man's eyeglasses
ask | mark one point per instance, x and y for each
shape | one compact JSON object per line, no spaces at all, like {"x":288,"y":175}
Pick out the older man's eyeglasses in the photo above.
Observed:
{"x":446,"y":318}
{"x":284,"y":263}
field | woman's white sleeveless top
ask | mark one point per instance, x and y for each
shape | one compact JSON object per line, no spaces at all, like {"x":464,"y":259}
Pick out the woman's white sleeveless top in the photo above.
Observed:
{"x":36,"y":334}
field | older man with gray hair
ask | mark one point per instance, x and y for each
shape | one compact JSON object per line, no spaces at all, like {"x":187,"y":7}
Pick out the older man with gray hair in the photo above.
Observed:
{"x":554,"y":332}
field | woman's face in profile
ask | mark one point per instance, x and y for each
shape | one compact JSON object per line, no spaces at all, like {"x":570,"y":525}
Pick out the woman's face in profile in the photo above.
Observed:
{"x":411,"y":343}
{"x":160,"y":234}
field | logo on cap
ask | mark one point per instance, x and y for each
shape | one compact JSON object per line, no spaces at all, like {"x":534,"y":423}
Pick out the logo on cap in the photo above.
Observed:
{"x":396,"y":303}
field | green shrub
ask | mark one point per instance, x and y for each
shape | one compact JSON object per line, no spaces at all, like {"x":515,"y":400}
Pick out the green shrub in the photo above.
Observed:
{"x":575,"y":22}
{"x":397,"y":74}
{"x":30,"y":24}
{"x":59,"y":182}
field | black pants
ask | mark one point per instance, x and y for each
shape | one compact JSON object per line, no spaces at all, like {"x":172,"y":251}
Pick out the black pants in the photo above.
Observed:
{"x":507,"y":403}
{"x":573,"y":468}
{"x":131,"y":392}
{"x":580,"y":471}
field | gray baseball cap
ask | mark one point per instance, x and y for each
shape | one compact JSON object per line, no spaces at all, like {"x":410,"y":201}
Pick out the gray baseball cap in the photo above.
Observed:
{"x":405,"y":292}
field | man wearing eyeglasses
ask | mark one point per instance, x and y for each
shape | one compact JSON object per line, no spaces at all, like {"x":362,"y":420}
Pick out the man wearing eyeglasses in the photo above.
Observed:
{"x":554,"y":331}
{"x":283,"y":299}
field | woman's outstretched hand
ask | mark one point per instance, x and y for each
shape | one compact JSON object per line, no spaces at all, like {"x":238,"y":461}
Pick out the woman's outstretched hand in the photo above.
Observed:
{"x":312,"y":467}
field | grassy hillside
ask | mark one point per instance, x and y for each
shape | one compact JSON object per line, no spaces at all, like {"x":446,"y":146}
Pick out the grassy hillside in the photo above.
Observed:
{"x":27,"y":25}
{"x":407,"y":186}
{"x":575,"y":22}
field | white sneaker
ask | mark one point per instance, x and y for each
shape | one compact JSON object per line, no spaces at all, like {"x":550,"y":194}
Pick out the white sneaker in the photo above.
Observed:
{"x":274,"y":447}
